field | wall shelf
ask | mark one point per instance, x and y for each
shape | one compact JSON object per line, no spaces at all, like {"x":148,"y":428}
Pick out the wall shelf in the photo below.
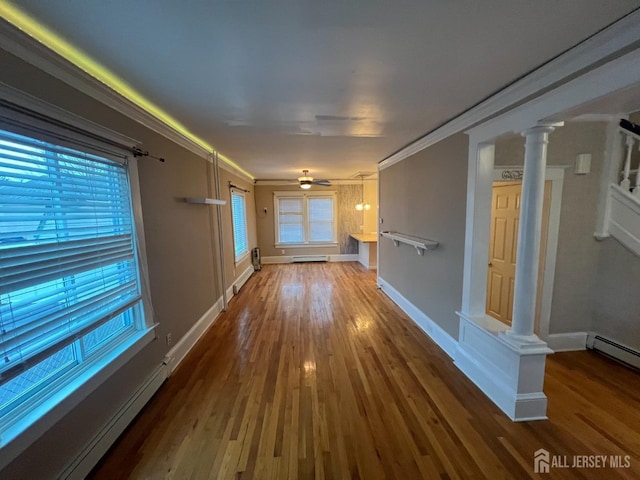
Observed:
{"x":205,"y":201}
{"x":420,"y":244}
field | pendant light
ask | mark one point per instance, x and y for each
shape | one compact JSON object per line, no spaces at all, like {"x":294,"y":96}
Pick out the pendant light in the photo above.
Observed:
{"x":362,"y":206}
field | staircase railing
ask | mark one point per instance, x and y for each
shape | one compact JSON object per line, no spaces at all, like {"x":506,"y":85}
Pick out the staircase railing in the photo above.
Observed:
{"x":631,"y":132}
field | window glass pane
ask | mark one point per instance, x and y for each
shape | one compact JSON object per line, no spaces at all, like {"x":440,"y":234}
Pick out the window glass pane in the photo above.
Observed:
{"x":290,"y":220}
{"x":107,"y":331}
{"x":66,"y":249}
{"x":34,"y":379}
{"x":239,"y":216}
{"x":321,"y":220}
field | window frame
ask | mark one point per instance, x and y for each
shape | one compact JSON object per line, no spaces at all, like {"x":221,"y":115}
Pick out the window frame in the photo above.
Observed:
{"x":22,"y":425}
{"x":306,"y":196}
{"x":244,"y":254}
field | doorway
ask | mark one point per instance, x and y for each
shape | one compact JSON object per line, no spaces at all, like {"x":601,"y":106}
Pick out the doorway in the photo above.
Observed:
{"x":503,"y":244}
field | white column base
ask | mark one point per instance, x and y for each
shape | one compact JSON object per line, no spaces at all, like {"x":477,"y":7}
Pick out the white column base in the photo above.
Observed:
{"x":510,"y":373}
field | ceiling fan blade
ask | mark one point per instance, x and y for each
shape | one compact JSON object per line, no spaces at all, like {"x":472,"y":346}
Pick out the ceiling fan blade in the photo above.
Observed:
{"x":325,"y":183}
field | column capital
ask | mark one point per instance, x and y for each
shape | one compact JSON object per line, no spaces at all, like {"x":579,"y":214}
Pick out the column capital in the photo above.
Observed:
{"x":541,"y":128}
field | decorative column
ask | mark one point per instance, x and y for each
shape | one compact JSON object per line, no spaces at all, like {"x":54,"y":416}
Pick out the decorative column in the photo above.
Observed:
{"x":529,"y":233}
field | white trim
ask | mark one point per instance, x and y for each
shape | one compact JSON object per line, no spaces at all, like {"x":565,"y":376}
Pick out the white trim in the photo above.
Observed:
{"x":623,"y":218}
{"x":17,"y":97}
{"x":616,"y":75}
{"x":306,"y":196}
{"x":242,"y":194}
{"x":511,"y":377}
{"x":613,"y":348}
{"x":608,"y":42}
{"x":16,"y":439}
{"x":82,"y":464}
{"x":30,"y":50}
{"x":233,"y":170}
{"x":567,"y":342}
{"x":343,"y":257}
{"x":613,"y":156}
{"x":306,"y":245}
{"x":555,"y":174}
{"x":240,"y":281}
{"x":441,"y":338}
{"x":180,"y":350}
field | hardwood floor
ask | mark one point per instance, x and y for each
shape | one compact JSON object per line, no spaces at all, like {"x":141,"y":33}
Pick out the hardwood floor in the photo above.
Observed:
{"x":314,"y":373}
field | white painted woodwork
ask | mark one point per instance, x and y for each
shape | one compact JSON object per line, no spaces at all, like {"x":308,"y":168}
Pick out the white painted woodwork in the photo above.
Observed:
{"x":626,"y":170}
{"x":421,"y":244}
{"x":624,"y":218}
{"x":528,"y":254}
{"x":269,"y":107}
{"x":367,"y":249}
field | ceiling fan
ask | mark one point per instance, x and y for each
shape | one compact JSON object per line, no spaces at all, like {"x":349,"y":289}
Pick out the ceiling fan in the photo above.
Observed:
{"x":306,"y":181}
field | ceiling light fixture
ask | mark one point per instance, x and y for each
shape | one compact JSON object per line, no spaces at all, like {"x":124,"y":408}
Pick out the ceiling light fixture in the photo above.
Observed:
{"x":305,"y":180}
{"x":362,"y":206}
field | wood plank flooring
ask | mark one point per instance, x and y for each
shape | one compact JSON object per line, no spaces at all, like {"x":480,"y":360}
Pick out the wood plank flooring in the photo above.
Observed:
{"x":314,"y":373}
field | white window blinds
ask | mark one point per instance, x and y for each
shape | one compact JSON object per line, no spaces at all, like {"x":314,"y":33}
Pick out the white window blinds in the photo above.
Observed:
{"x":291,"y":219}
{"x":306,"y":218}
{"x":321,"y":219}
{"x":67,"y":258}
{"x":239,"y":216}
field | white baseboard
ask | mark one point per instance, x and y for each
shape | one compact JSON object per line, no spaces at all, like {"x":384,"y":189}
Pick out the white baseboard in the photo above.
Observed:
{"x":445,"y":341}
{"x":343,"y":257}
{"x":186,"y":343}
{"x":567,"y":342}
{"x":240,"y":281}
{"x":613,"y":348}
{"x":80,"y":467}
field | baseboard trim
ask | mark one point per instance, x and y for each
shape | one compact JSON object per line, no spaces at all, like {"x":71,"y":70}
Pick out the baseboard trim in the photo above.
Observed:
{"x":109,"y":433}
{"x":614,"y":349}
{"x":445,"y":341}
{"x":567,"y":342}
{"x":343,"y":257}
{"x":240,"y":281}
{"x":186,"y":343}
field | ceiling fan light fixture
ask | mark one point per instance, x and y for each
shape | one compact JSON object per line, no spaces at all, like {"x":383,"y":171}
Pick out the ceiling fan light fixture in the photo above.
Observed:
{"x":305,"y":181}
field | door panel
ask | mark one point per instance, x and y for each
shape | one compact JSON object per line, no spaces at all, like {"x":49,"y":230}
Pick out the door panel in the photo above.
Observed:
{"x":503,"y":246}
{"x":502,"y":254}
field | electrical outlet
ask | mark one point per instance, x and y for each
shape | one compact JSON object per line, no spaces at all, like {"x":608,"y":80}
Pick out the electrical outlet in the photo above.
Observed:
{"x":169,"y":339}
{"x":282,"y":252}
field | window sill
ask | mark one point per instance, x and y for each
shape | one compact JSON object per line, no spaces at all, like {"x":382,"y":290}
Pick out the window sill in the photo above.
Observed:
{"x":242,"y":257}
{"x":306,"y":245}
{"x":19,"y":432}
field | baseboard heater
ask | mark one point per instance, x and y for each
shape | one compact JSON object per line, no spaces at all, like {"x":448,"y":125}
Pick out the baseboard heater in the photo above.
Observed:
{"x":309,"y":258}
{"x":614,"y":349}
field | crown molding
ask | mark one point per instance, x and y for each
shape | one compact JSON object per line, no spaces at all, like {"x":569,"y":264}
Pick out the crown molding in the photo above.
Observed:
{"x":12,"y":98}
{"x":235,"y":171}
{"x":25,"y":47}
{"x":605,"y":45}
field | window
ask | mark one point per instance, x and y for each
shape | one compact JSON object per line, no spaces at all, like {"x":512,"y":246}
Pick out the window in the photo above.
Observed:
{"x":239,"y":216}
{"x":305,"y":218}
{"x":69,"y":278}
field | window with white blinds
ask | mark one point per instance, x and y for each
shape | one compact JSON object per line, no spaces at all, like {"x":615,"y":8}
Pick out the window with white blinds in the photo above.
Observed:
{"x":305,"y":218}
{"x":69,"y":278}
{"x":239,"y":217}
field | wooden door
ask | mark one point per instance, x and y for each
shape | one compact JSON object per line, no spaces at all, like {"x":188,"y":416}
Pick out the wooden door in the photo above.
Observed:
{"x":505,"y":215}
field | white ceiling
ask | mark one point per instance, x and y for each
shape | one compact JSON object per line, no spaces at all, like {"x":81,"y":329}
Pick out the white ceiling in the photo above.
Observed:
{"x":332,"y":86}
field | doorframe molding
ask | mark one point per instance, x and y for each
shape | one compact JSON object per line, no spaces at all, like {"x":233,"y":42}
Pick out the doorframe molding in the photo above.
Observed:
{"x":554,"y":174}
